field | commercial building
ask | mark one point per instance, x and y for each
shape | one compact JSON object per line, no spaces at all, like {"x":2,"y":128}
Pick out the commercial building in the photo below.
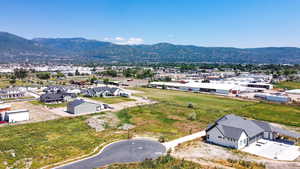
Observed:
{"x":217,"y":88}
{"x":5,"y":107}
{"x":273,"y":98}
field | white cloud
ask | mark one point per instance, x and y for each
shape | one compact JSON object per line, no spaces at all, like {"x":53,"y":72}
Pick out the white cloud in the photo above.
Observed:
{"x":119,"y":39}
{"x":135,"y":41}
{"x":124,"y":41}
{"x":107,"y":39}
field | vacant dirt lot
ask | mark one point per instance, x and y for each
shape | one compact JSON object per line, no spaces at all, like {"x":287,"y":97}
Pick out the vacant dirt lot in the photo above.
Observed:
{"x":37,"y":113}
{"x":203,"y":153}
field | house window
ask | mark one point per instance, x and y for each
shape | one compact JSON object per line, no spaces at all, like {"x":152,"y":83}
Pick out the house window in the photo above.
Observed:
{"x":219,"y":136}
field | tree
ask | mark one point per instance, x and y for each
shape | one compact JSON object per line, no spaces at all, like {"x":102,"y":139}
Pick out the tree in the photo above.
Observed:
{"x":168,"y":79}
{"x":128,"y":72}
{"x":190,"y":105}
{"x":93,"y":80}
{"x":106,"y":81}
{"x":77,"y":73}
{"x":43,"y":75}
{"x":110,"y":72}
{"x":20,"y":73}
{"x":12,"y":79}
{"x":59,"y":74}
{"x":192,"y":116}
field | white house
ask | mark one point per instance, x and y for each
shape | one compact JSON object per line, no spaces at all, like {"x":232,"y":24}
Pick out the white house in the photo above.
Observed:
{"x":236,"y":132}
{"x":16,"y":115}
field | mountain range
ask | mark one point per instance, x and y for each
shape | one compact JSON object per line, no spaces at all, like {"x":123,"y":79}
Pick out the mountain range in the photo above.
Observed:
{"x":14,"y":48}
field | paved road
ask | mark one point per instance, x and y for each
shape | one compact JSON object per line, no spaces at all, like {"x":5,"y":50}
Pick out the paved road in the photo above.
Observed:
{"x":135,"y":150}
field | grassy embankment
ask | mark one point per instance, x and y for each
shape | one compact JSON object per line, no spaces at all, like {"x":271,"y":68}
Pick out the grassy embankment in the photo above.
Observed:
{"x":168,"y":162}
{"x":56,"y":105}
{"x":111,"y":100}
{"x":288,"y":85}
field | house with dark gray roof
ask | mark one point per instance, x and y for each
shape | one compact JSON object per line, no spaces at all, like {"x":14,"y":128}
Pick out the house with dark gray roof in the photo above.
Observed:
{"x":103,"y":91}
{"x":237,"y":132}
{"x":56,"y":97}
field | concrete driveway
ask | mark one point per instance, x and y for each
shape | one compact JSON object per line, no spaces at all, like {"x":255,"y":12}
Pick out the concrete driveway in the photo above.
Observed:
{"x":172,"y":144}
{"x":134,"y":150}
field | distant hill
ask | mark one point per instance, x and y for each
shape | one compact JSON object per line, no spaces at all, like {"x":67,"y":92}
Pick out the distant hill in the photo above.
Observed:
{"x":80,"y":50}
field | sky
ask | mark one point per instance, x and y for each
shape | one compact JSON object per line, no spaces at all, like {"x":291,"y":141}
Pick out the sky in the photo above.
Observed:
{"x":217,"y":23}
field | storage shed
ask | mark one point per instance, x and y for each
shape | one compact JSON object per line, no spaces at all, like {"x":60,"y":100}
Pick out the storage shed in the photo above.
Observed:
{"x":80,"y":106}
{"x":16,"y":115}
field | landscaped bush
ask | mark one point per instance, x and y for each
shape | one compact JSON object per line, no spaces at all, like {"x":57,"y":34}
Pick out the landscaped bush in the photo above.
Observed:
{"x":164,"y":162}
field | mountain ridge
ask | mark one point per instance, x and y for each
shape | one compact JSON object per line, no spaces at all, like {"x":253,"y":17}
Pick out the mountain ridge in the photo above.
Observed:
{"x":14,"y":48}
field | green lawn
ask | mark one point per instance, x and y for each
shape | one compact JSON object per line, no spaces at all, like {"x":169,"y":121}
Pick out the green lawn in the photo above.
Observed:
{"x":36,"y":102}
{"x":288,"y":84}
{"x":112,"y":100}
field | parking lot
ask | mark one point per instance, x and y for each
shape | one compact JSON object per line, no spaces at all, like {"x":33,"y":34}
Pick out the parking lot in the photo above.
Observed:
{"x":273,"y":150}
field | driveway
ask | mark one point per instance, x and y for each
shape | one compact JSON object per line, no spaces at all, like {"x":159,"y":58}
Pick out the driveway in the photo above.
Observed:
{"x":135,"y":150}
{"x":172,"y":144}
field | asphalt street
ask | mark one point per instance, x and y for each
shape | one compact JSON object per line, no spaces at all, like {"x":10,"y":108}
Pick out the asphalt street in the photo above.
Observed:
{"x":135,"y":150}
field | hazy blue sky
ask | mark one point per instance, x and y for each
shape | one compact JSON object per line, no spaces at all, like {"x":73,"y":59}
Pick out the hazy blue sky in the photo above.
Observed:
{"x":236,"y":23}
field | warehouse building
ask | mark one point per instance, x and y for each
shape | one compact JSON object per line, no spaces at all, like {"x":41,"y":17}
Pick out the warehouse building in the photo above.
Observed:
{"x":273,"y":98}
{"x":217,"y":88}
{"x":79,"y":106}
